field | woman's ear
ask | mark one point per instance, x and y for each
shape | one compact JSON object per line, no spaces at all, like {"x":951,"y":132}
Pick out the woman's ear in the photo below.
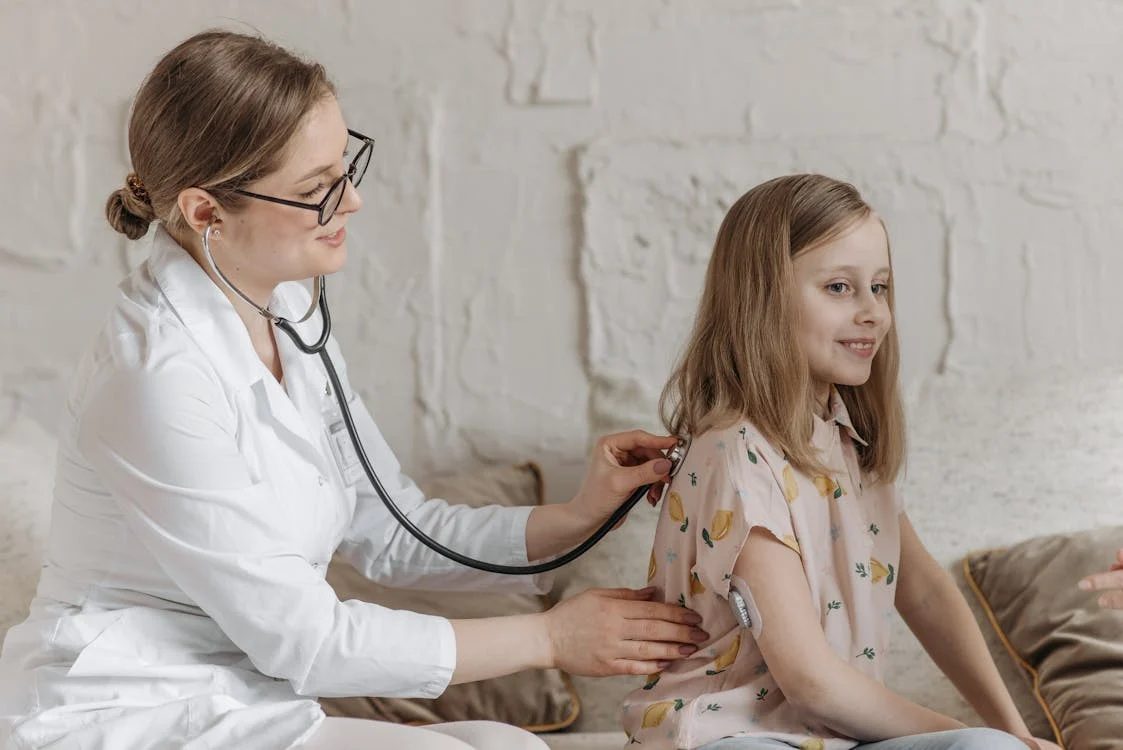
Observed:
{"x":199,"y":208}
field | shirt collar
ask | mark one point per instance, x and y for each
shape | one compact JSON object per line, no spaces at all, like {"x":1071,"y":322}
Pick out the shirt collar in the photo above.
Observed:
{"x":839,"y":415}
{"x":208,"y":314}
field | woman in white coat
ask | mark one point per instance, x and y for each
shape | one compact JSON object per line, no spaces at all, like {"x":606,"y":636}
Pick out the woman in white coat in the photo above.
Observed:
{"x":182,"y":602}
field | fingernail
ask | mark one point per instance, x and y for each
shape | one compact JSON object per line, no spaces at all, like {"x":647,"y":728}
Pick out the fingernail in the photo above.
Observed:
{"x":699,"y":636}
{"x":662,"y":466}
{"x":662,"y":664}
{"x":692,"y":618}
{"x":687,"y":650}
{"x":1086,"y":585}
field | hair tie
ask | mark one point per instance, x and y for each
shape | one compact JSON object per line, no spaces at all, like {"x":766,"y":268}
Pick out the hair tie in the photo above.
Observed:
{"x":136,"y":187}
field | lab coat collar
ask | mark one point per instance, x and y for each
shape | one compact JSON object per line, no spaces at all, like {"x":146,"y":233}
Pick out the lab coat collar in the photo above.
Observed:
{"x":212,"y":321}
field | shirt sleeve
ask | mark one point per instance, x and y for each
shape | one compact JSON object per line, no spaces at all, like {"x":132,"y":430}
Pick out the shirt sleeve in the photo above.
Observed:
{"x":164,"y":445}
{"x":384,"y":551}
{"x":744,"y":496}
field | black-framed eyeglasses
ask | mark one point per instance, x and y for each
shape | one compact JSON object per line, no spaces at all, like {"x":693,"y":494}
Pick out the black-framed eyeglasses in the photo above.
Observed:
{"x":327,"y":207}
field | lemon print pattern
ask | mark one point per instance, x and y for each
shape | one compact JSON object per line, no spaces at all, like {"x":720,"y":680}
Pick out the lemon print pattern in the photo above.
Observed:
{"x":696,"y":585}
{"x":791,"y":489}
{"x":814,"y":743}
{"x":654,"y":714}
{"x":827,"y":487}
{"x":789,"y":541}
{"x":651,"y":567}
{"x":652,"y":680}
{"x":727,"y":658}
{"x":720,"y":526}
{"x":674,"y":507}
{"x":879,"y":572}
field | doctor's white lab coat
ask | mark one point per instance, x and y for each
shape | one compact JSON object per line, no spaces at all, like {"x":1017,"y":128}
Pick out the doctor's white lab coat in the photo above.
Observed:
{"x":182,"y":602}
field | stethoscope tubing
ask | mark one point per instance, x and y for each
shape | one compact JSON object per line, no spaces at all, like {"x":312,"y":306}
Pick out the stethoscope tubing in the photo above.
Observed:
{"x":319,"y":348}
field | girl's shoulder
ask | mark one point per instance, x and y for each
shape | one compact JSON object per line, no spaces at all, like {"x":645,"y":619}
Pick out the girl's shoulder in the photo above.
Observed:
{"x":740,"y":454}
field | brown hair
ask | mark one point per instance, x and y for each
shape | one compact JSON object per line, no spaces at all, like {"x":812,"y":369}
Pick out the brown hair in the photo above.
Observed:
{"x":744,"y":360}
{"x":217,"y":112}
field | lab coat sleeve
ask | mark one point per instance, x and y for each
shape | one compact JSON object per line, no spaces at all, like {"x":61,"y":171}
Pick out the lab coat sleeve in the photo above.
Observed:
{"x":384,"y":551}
{"x":164,"y":444}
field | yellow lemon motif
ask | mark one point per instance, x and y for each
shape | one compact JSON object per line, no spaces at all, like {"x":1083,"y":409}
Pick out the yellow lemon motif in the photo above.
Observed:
{"x":789,"y":541}
{"x":825,"y":485}
{"x":652,"y":679}
{"x":878,"y":572}
{"x":729,"y":656}
{"x":674,"y":505}
{"x":696,"y":585}
{"x":651,"y":567}
{"x":654,"y":714}
{"x":812,"y":744}
{"x":791,"y":489}
{"x":720,"y":526}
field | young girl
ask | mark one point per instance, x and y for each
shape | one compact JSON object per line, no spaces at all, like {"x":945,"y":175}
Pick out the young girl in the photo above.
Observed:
{"x":789,"y":388}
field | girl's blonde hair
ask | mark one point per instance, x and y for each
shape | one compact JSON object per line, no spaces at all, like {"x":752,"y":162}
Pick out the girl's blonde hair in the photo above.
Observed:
{"x":744,"y":360}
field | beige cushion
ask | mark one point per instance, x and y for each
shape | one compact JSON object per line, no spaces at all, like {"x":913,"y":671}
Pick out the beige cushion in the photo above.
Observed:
{"x":537,"y":700}
{"x":1070,"y":650}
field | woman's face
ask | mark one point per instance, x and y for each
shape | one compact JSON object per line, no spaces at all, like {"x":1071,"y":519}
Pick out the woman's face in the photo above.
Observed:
{"x":265,"y":243}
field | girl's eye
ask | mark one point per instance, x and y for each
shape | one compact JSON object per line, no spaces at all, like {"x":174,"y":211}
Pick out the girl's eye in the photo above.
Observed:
{"x":311,"y":193}
{"x":880,"y":289}
{"x":838,"y":287}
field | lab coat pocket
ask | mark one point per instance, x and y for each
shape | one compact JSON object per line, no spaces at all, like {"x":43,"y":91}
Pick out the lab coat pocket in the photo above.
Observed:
{"x":142,"y":640}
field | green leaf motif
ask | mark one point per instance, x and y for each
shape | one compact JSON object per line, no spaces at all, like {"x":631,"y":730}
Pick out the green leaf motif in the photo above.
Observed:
{"x":685,"y":524}
{"x":762,"y":694}
{"x":752,"y":456}
{"x":833,"y":605}
{"x":837,"y":491}
{"x":892,"y":575}
{"x":867,"y":652}
{"x":706,"y":538}
{"x":681,"y":600}
{"x":874,"y":530}
{"x":860,"y":569}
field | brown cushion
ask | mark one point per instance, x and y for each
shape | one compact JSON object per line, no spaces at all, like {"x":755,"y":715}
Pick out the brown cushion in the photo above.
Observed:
{"x":1070,"y":650}
{"x":536,"y":700}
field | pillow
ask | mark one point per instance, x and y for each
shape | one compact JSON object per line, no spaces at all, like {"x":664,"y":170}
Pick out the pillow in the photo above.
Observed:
{"x":27,"y":474}
{"x":536,"y":700}
{"x":1070,"y":650}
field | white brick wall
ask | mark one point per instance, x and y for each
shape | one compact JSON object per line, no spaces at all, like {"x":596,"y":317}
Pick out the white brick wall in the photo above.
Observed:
{"x":549,"y":176}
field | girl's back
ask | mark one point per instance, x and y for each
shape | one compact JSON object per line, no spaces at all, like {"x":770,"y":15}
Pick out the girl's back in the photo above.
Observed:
{"x":847,"y":537}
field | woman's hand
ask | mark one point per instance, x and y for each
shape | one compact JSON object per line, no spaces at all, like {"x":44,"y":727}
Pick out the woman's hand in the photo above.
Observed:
{"x":1113,"y":579}
{"x":620,"y":463}
{"x":604,"y":632}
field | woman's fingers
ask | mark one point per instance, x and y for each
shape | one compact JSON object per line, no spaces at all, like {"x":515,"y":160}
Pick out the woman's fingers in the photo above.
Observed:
{"x":1111,"y":580}
{"x":632,"y":666}
{"x":1112,"y":600}
{"x":653,"y":651}
{"x":664,"y":632}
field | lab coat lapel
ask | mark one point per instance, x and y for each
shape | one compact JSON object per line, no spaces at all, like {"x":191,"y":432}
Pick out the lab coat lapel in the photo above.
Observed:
{"x":222,"y":336}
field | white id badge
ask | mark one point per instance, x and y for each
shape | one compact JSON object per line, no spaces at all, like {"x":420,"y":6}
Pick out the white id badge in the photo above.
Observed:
{"x":344,"y":451}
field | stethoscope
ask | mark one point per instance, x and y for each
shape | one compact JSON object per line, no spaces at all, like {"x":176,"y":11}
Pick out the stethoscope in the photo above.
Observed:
{"x":320,"y":300}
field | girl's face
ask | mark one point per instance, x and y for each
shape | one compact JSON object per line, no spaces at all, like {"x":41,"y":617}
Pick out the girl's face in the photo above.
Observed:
{"x":842,"y":290}
{"x":265,"y":243}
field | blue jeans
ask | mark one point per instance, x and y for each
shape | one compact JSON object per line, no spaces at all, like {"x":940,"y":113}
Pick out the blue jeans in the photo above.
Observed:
{"x":956,"y":739}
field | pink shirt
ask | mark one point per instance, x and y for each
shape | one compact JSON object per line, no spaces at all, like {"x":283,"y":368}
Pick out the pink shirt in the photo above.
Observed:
{"x":848,"y":537}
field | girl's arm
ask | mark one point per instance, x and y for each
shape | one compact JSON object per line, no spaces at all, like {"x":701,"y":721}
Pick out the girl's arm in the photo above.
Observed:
{"x":819,"y":684}
{"x":938,"y":615}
